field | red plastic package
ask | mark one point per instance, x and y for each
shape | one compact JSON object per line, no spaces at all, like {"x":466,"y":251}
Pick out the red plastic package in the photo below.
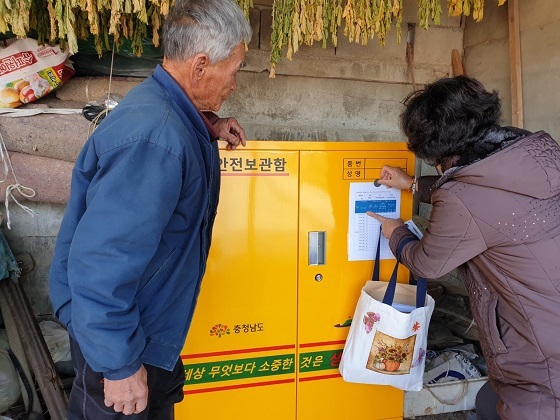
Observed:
{"x":29,"y":71}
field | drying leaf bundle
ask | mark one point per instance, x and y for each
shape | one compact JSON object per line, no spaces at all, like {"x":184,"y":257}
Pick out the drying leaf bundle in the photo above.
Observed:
{"x":294,"y":22}
{"x":65,"y":21}
{"x":465,"y":7}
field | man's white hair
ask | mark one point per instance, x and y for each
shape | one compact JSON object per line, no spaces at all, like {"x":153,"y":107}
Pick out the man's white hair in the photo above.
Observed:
{"x":214,"y":27}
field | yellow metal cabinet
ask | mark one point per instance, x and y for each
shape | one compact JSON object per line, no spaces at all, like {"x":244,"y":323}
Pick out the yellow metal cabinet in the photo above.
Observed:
{"x":269,"y":328}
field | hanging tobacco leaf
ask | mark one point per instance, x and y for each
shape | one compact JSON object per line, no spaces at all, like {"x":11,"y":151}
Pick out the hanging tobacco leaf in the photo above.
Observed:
{"x":294,"y":22}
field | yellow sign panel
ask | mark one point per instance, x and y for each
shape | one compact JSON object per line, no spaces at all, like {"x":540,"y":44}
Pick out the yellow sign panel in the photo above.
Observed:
{"x":250,"y":165}
{"x":368,"y":169}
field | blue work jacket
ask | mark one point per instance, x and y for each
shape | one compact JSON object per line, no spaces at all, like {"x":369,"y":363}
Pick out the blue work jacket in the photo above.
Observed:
{"x":134,"y":240}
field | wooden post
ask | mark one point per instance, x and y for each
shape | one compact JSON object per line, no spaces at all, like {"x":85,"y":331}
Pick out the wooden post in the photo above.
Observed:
{"x":515,"y":64}
{"x":410,"y":53}
{"x":457,"y":63}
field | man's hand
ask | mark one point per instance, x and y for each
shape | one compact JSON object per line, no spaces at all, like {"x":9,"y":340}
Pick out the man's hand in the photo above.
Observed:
{"x":128,"y":395}
{"x":395,"y":178}
{"x":231,"y":131}
{"x":387,"y":225}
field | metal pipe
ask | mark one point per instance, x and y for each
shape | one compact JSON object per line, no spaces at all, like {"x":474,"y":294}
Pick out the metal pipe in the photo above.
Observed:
{"x":36,"y":349}
{"x":31,"y":402}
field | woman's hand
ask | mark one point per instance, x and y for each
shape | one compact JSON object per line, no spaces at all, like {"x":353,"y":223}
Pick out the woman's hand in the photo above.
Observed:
{"x":395,"y":177}
{"x":387,"y":225}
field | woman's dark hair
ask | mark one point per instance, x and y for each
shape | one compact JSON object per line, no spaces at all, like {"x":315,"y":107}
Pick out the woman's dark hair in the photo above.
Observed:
{"x":448,"y":116}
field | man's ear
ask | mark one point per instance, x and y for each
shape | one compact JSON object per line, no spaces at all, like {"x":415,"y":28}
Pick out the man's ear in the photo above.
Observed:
{"x":200,"y":64}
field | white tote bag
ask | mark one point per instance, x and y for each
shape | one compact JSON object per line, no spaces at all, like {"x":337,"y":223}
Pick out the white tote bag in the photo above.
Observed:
{"x":387,"y":341}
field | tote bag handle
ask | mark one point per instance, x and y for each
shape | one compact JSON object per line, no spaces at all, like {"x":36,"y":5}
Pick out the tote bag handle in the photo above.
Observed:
{"x":421,"y":285}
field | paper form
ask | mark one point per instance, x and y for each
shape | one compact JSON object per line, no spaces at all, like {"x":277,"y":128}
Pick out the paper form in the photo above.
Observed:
{"x":363,"y":231}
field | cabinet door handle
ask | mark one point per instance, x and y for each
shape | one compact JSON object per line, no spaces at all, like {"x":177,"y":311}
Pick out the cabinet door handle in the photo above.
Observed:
{"x":316,"y":248}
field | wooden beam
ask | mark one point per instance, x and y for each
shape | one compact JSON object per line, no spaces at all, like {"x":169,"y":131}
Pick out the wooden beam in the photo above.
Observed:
{"x":457,"y":63}
{"x":410,"y":63}
{"x":515,"y":64}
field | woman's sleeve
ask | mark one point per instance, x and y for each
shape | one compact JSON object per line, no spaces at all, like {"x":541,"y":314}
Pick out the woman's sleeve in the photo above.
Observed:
{"x":452,"y":238}
{"x":425,"y":185}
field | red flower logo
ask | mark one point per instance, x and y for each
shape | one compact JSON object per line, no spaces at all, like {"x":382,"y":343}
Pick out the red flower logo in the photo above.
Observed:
{"x":416,"y":326}
{"x":219,"y":330}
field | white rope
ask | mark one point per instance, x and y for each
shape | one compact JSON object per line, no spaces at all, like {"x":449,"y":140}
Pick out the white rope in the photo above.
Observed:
{"x":109,"y":103}
{"x":95,"y":122}
{"x":470,"y":326}
{"x":111,"y":73}
{"x":472,"y":322}
{"x":455,"y":400}
{"x":24,"y":191}
{"x":459,"y":397}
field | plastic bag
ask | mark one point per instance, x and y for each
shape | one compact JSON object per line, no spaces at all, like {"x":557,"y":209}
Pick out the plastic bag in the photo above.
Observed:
{"x":448,"y":366}
{"x":9,"y":381}
{"x":454,"y":312}
{"x":58,"y":343}
{"x":440,"y":337}
{"x":29,"y":71}
{"x":57,"y":340}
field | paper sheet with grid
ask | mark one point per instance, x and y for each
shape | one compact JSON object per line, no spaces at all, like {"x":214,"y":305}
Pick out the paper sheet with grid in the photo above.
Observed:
{"x":363,"y":230}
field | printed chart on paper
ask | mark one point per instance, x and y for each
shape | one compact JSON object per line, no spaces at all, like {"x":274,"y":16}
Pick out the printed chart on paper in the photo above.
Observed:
{"x":363,"y":231}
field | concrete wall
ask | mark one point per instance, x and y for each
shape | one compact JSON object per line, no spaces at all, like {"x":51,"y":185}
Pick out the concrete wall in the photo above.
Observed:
{"x":487,"y":58}
{"x":348,"y":93}
{"x":351,"y":92}
{"x":35,"y":235}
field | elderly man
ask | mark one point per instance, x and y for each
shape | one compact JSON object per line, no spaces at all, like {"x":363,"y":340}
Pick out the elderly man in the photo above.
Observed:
{"x":135,"y":237}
